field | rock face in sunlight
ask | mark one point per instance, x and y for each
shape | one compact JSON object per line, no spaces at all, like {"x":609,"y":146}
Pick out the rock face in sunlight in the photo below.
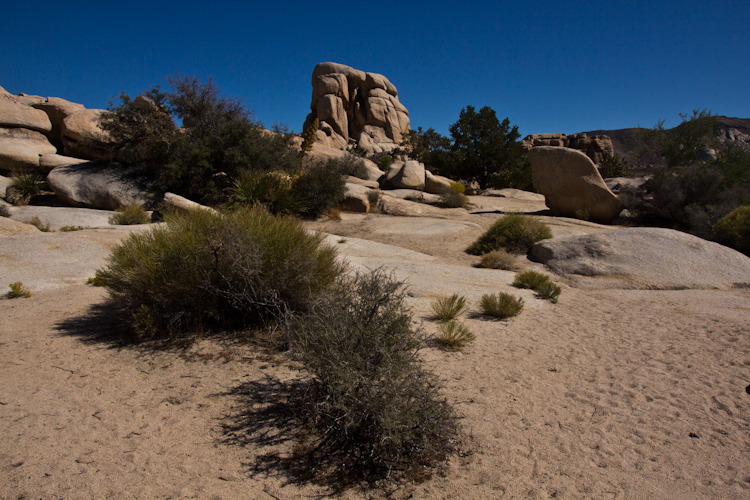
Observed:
{"x":593,"y":147}
{"x":356,"y":109}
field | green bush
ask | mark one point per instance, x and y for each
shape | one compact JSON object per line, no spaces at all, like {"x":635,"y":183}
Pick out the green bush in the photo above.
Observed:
{"x":378,"y":411}
{"x":733,"y":230}
{"x":18,"y":290}
{"x":207,"y":272}
{"x":322,"y":185}
{"x":540,"y":283}
{"x":502,"y":305}
{"x":27,"y":185}
{"x":273,"y":190}
{"x":612,"y":165}
{"x":499,"y":259}
{"x":514,"y":232}
{"x":130,"y":215}
{"x":385,"y":162}
{"x":458,"y":187}
{"x":448,"y":308}
{"x":454,"y":335}
{"x":453,"y":199}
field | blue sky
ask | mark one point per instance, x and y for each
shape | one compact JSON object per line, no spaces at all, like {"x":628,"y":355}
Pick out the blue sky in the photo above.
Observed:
{"x":548,"y":66}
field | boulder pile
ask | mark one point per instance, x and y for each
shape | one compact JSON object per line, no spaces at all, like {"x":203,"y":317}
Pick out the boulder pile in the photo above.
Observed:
{"x":356,"y":108}
{"x":593,"y":147}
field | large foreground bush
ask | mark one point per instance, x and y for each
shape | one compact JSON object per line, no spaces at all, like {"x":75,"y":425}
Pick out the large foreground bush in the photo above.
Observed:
{"x":376,"y":408}
{"x":206,"y":272}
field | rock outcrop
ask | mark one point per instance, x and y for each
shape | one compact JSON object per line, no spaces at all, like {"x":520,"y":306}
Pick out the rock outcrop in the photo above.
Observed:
{"x":100,"y":184}
{"x":593,"y":147}
{"x":644,"y":257}
{"x":571,"y":184}
{"x":356,"y":108}
{"x":20,"y":149}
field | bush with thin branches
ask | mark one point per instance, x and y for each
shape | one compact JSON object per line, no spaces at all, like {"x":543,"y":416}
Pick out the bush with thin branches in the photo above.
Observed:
{"x":515,"y":233}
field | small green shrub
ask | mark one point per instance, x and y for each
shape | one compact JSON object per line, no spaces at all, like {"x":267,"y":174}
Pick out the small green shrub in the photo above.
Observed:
{"x":499,"y":259}
{"x":385,"y":162}
{"x":98,"y":279}
{"x":502,"y":305}
{"x":733,"y":230}
{"x":582,"y":214}
{"x":357,"y":151}
{"x":454,"y":335}
{"x":453,"y":199}
{"x":448,"y":308}
{"x":612,"y":165}
{"x":206,"y":272}
{"x":458,"y":187}
{"x":373,"y":196}
{"x":4,"y":212}
{"x":273,"y":190}
{"x":43,"y":227}
{"x":28,"y":185}
{"x":514,"y":232}
{"x":377,"y":411}
{"x":540,"y":283}
{"x":18,"y":290}
{"x":322,"y":184}
{"x":130,"y":215}
{"x":67,"y":229}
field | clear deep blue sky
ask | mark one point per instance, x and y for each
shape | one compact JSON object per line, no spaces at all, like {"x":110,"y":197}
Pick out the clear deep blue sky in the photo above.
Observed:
{"x":548,"y":66}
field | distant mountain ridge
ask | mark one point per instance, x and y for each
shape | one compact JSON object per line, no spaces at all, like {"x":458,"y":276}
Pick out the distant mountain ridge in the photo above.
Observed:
{"x":731,"y":129}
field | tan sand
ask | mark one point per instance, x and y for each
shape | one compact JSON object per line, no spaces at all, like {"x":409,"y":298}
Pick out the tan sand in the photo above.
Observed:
{"x":607,"y":394}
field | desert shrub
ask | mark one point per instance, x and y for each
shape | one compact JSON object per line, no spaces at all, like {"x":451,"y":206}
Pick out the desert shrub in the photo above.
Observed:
{"x":448,"y":308}
{"x":502,"y":305}
{"x":377,"y":410}
{"x":129,"y":215}
{"x":454,"y":335}
{"x":373,"y":196}
{"x":385,"y":162}
{"x":733,"y":230}
{"x":453,"y":199}
{"x":322,"y":185}
{"x":499,"y":259}
{"x":218,"y":139}
{"x":582,"y":214}
{"x":68,"y":229}
{"x":540,"y":283}
{"x":205,"y":272}
{"x":97,"y":279}
{"x":17,"y":289}
{"x":27,"y":185}
{"x":37,"y":222}
{"x":273,"y":190}
{"x":514,"y":232}
{"x":357,"y":151}
{"x":4,"y":212}
{"x":458,"y":187}
{"x":612,"y":165}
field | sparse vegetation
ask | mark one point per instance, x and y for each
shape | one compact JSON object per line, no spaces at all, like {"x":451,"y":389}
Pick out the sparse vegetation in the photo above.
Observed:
{"x":499,"y":259}
{"x":27,"y":185}
{"x":453,"y":199}
{"x":611,"y":165}
{"x":514,"y":232}
{"x":357,"y":151}
{"x":130,"y":215}
{"x":733,"y":230}
{"x":583,"y":214}
{"x":42,"y":226}
{"x":448,"y":308}
{"x":378,"y":412}
{"x":18,"y":290}
{"x":385,"y":162}
{"x":454,"y":335}
{"x":204,"y":272}
{"x":501,"y":306}
{"x":68,"y":229}
{"x":540,"y":283}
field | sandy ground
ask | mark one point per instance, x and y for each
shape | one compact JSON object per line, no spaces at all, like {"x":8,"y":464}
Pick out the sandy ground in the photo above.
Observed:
{"x":607,"y":394}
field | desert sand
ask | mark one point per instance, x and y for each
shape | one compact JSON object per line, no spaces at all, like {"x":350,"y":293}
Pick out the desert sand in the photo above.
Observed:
{"x":607,"y":394}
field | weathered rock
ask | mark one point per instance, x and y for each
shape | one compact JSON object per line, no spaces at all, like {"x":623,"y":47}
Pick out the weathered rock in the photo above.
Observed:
{"x":82,"y":135}
{"x":355,"y":77}
{"x":413,"y":195}
{"x":57,"y":110}
{"x":410,"y":176}
{"x":29,"y":100}
{"x":334,"y":84}
{"x":183,"y":205}
{"x":570,"y":182}
{"x":100,"y":184}
{"x":321,"y":152}
{"x":20,"y":149}
{"x":436,"y":184}
{"x":5,"y":182}
{"x":14,"y":113}
{"x":514,"y":193}
{"x":593,"y":147}
{"x":331,"y":111}
{"x":49,"y":161}
{"x":362,"y":182}
{"x":645,"y":258}
{"x":395,"y":206}
{"x":356,"y":198}
{"x":378,"y":81}
{"x":626,"y":184}
{"x":9,"y":226}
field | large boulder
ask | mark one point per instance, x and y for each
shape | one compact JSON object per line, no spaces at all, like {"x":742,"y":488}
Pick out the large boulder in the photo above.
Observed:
{"x":83,"y":136}
{"x":49,"y":161}
{"x":570,"y":183}
{"x":57,"y":110}
{"x":20,"y":149}
{"x":183,"y":205}
{"x":436,"y":184}
{"x":14,"y":113}
{"x":100,"y":184}
{"x":645,"y":258}
{"x":410,"y":176}
{"x":356,"y":198}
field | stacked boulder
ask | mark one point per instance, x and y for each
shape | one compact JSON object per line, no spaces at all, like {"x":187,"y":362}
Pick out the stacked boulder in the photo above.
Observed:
{"x":593,"y":147}
{"x":356,"y":108}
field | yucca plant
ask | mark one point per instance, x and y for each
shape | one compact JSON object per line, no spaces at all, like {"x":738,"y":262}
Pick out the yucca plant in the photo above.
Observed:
{"x":448,"y":308}
{"x":502,"y":305}
{"x":28,"y":185}
{"x":454,"y":335}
